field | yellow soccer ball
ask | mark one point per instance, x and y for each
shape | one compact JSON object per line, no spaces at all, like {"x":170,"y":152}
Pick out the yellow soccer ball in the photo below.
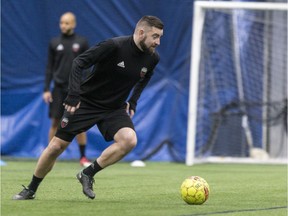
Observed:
{"x":195,"y":190}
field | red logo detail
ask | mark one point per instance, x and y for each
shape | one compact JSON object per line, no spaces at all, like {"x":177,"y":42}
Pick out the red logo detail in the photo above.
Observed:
{"x":143,"y":72}
{"x":64,"y":122}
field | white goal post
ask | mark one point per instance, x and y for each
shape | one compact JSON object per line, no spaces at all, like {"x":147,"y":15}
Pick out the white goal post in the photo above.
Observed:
{"x":200,"y":7}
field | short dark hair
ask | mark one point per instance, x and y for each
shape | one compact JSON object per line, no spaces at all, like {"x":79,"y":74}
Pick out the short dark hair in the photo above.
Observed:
{"x":151,"y":21}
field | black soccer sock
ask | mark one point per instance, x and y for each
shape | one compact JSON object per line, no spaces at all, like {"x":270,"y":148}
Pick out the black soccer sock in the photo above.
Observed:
{"x":82,"y":150}
{"x":92,"y":169}
{"x":35,"y":182}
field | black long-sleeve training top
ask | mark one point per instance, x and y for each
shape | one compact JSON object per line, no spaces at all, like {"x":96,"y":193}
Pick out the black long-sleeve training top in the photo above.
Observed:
{"x":61,"y":53}
{"x":118,"y":67}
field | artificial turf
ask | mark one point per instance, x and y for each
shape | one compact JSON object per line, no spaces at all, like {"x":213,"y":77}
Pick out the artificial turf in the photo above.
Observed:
{"x":154,"y":190}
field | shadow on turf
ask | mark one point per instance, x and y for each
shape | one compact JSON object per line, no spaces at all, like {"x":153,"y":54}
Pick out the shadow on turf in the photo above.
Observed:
{"x":240,"y":210}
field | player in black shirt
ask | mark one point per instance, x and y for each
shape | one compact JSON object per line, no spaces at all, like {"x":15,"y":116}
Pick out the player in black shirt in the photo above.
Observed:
{"x":120,"y":65}
{"x":61,"y":53}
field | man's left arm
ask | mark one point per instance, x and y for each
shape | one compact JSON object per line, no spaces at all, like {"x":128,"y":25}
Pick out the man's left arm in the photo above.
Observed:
{"x":137,"y":91}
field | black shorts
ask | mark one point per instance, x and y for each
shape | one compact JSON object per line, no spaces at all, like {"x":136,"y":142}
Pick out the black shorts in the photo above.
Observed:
{"x":108,"y":122}
{"x":56,"y":108}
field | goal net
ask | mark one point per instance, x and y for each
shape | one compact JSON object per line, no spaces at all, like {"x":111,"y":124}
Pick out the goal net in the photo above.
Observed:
{"x":238,"y":83}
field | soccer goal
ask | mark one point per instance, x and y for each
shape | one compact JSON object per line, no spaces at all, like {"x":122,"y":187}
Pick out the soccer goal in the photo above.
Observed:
{"x":238,"y":83}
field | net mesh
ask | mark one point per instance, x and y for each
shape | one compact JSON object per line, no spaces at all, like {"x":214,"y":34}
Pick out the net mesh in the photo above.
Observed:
{"x":242,"y":99}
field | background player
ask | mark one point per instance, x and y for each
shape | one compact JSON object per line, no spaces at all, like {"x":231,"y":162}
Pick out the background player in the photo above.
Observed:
{"x":62,"y":50}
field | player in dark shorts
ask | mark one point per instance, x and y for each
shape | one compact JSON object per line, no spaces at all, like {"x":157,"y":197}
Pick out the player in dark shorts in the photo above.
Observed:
{"x":61,"y":53}
{"x":120,"y":65}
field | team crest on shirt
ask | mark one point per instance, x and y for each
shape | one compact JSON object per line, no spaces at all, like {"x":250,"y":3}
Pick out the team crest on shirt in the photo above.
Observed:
{"x":64,"y":122}
{"x":60,"y":47}
{"x":143,"y":72}
{"x":75,"y":47}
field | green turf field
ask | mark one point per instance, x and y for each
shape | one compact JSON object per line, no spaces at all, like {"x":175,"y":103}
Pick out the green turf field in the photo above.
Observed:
{"x":148,"y":191}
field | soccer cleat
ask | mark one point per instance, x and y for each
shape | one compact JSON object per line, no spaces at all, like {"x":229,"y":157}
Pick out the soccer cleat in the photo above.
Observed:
{"x":85,"y":162}
{"x":25,"y":194}
{"x":87,"y":184}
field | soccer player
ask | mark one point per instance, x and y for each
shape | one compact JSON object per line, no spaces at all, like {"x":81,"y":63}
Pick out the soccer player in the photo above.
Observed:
{"x":62,"y":50}
{"x":120,"y":65}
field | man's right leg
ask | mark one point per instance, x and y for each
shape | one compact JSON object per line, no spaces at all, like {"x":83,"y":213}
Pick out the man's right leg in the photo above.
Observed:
{"x":44,"y":166}
{"x":81,"y":139}
{"x":49,"y":156}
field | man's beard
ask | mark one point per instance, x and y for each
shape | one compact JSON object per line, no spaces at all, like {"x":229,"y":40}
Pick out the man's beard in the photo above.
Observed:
{"x":145,"y":48}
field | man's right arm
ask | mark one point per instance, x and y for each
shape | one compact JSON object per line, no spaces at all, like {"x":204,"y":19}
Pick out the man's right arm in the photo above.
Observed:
{"x":92,"y":56}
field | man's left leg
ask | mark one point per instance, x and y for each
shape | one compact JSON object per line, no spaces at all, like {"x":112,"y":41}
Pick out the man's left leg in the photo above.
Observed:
{"x":125,"y":140}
